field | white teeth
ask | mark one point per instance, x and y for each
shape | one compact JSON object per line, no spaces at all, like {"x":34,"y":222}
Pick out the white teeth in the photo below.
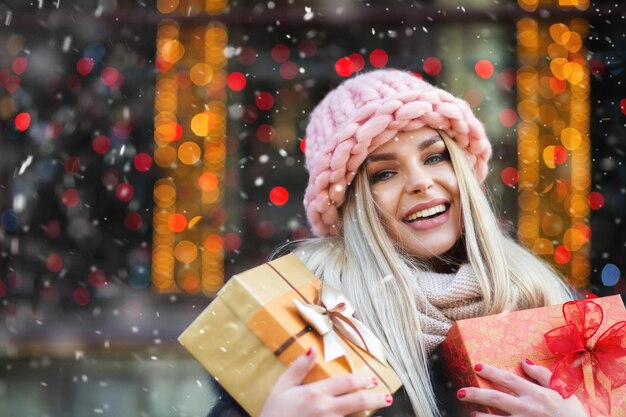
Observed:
{"x":426,"y":213}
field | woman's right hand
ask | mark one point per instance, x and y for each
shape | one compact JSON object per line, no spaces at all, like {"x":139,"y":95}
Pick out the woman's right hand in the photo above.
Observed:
{"x":331,"y":397}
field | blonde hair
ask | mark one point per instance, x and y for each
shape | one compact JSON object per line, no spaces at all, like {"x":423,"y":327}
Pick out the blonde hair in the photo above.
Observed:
{"x":378,"y":277}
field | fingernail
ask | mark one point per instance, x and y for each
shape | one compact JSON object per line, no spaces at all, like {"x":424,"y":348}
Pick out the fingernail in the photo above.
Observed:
{"x":461,"y":393}
{"x":308,"y":352}
{"x":374,"y":382}
{"x":529,"y":362}
{"x":473,"y":414}
{"x":478,"y":367}
{"x":388,"y":398}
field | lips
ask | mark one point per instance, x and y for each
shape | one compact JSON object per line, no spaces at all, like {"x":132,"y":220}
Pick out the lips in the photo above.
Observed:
{"x":426,"y":209}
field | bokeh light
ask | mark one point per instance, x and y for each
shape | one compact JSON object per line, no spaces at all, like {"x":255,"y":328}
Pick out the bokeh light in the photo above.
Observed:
{"x":378,"y":58}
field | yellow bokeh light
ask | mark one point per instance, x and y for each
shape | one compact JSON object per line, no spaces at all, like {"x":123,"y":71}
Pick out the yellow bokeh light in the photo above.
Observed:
{"x":164,"y":194}
{"x":574,"y":240}
{"x":528,"y":110}
{"x":560,"y":33}
{"x":189,"y":153}
{"x":165,"y":156}
{"x":528,"y":200}
{"x":573,"y":72}
{"x":201,"y":74}
{"x":571,"y":138}
{"x":171,"y":50}
{"x":558,"y":66}
{"x":548,"y":156}
{"x":202,"y":123}
{"x":552,"y":224}
{"x":543,"y":246}
{"x":186,"y":252}
{"x":574,"y":43}
{"x":167,"y":6}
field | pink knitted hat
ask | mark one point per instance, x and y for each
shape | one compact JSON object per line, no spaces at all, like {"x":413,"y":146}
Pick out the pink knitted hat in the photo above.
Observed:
{"x":362,"y":114}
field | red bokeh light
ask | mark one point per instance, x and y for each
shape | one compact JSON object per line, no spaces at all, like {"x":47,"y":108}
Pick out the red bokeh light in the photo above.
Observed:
{"x":97,"y":278}
{"x":557,"y":86}
{"x":110,"y":76}
{"x":432,"y":66}
{"x":70,"y":198}
{"x":508,"y":117}
{"x":81,"y":296}
{"x":19,"y":65}
{"x":562,"y":255}
{"x":52,"y":229}
{"x":484,"y":68}
{"x":236,"y":81}
{"x":378,"y":58}
{"x":622,"y":105}
{"x":142,"y":162}
{"x":288,"y":70}
{"x":596,"y":200}
{"x":596,"y":67}
{"x":303,"y":145}
{"x":265,"y":133}
{"x":560,"y":154}
{"x":279,"y":196}
{"x":358,"y":61}
{"x":208,"y":182}
{"x":101,"y":144}
{"x":84,"y":66}
{"x":264,"y":101}
{"x":177,"y":222}
{"x":280,"y":52}
{"x":247,"y":56}
{"x":54,"y":263}
{"x":509,"y":176}
{"x":307,"y":48}
{"x":232,"y":241}
{"x":344,"y":67}
{"x":133,"y":221}
{"x":72,"y":165}
{"x":124,"y":192}
{"x":22,"y":121}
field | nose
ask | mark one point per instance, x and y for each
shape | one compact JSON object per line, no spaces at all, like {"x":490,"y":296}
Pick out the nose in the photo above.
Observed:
{"x":418,"y":180}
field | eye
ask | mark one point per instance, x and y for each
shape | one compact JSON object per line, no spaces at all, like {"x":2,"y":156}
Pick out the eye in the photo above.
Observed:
{"x":438,"y":157}
{"x":379,"y":176}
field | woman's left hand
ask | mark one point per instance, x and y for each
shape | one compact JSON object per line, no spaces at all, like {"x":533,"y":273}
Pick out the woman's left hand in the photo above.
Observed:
{"x":527,"y":399}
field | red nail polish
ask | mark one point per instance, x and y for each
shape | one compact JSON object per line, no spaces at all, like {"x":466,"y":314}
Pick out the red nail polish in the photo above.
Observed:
{"x":308,"y":352}
{"x":374,"y":382}
{"x":388,"y":398}
{"x":528,"y":361}
{"x":461,"y":393}
{"x":478,"y":367}
{"x":473,"y":414}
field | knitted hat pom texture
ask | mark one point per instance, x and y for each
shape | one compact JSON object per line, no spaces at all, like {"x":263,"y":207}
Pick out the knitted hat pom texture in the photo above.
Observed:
{"x":364,"y":113}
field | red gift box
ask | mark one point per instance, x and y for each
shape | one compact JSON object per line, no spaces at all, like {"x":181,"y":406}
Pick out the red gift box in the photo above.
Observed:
{"x":583,"y":342}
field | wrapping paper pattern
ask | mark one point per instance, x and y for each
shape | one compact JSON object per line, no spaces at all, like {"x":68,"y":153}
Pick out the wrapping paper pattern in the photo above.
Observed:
{"x":252,"y":331}
{"x":504,"y":340}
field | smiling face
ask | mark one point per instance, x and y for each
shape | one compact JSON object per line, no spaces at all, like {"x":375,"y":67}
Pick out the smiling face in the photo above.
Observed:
{"x":415,"y":187}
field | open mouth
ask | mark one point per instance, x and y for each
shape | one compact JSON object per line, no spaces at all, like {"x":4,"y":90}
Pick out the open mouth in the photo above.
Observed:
{"x":427,"y":214}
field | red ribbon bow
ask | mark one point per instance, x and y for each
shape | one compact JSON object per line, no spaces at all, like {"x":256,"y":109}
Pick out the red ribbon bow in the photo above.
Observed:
{"x":599,"y":363}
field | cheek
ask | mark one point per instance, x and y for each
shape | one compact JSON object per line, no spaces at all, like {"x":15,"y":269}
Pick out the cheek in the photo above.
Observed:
{"x":387,"y":199}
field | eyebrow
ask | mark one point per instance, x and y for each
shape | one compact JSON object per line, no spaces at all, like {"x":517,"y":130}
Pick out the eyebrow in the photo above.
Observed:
{"x":387,"y":156}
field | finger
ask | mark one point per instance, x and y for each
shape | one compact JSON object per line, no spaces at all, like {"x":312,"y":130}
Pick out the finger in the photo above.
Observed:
{"x":539,"y":373}
{"x":297,"y":371}
{"x":344,"y":384}
{"x":491,"y":398}
{"x":479,"y":414}
{"x":507,"y":380}
{"x":361,"y":400}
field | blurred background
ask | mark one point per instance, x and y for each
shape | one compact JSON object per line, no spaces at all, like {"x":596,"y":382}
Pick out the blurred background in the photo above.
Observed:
{"x":151,"y":149}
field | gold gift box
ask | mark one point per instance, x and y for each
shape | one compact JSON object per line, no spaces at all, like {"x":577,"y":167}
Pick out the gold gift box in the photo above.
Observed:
{"x":248,"y":336}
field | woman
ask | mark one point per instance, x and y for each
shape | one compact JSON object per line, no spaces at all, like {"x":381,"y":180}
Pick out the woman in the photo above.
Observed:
{"x":406,"y":232}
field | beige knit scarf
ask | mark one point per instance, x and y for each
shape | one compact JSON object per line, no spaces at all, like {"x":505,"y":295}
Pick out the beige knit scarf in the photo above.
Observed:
{"x":444,"y":298}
